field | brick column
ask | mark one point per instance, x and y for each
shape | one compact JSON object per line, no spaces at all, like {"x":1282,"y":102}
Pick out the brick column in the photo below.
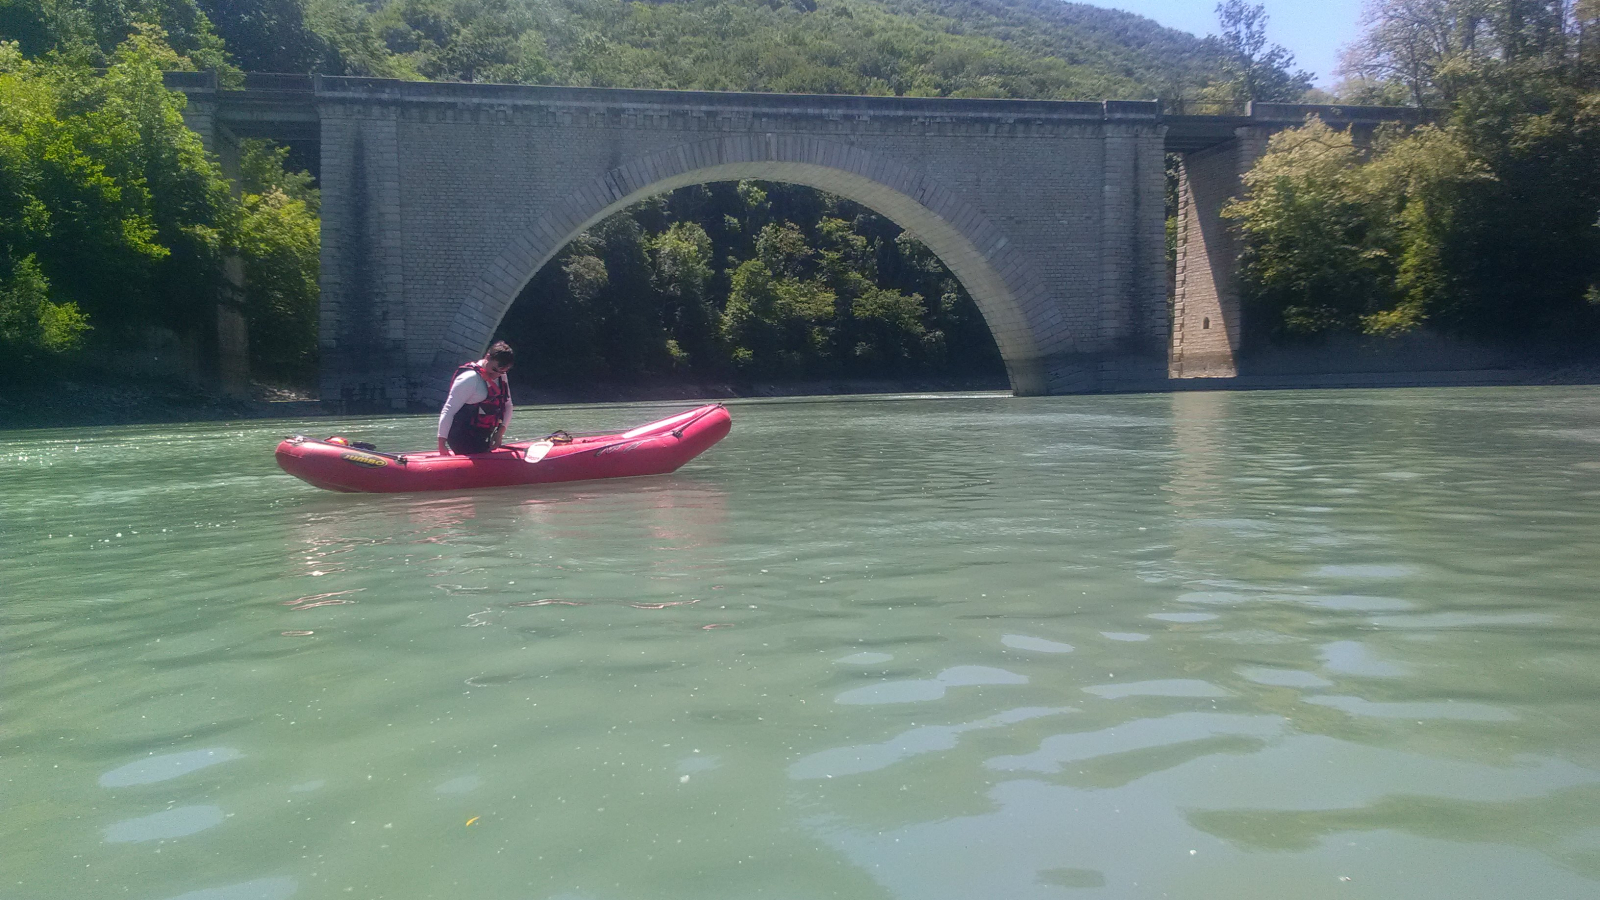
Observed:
{"x":200,"y":117}
{"x":1205,"y":320}
{"x":1133,"y":309}
{"x":231,"y":340}
{"x":1132,"y":289}
{"x":233,"y":327}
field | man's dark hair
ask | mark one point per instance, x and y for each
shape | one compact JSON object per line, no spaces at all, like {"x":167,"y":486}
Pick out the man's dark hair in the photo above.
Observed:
{"x":500,"y":354}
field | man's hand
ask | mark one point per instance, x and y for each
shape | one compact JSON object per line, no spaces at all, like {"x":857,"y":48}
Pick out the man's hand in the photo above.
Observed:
{"x":443,"y":449}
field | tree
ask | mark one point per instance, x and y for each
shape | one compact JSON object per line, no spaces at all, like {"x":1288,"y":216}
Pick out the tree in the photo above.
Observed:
{"x":777,"y":316}
{"x":1525,"y":247}
{"x":107,"y":202}
{"x":92,"y":31}
{"x":842,"y":297}
{"x":355,"y":45}
{"x":681,"y":271}
{"x":1420,"y":44}
{"x":30,"y":324}
{"x":1415,"y":184}
{"x":268,"y":35}
{"x":113,"y":219}
{"x":1253,"y":69}
{"x":280,"y":241}
{"x":1434,"y":48}
{"x":1314,"y":257}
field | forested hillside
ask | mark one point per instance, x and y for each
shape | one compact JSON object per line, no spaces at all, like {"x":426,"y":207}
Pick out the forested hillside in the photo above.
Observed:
{"x":991,"y":48}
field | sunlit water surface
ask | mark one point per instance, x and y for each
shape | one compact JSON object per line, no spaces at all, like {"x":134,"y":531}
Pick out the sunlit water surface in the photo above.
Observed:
{"x":1274,"y":645}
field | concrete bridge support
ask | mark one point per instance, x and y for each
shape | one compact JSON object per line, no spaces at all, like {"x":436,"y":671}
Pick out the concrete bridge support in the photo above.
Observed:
{"x":1206,"y":316}
{"x":229,"y":335}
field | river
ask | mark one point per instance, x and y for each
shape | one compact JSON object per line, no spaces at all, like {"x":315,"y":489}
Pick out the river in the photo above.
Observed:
{"x":1205,"y":645}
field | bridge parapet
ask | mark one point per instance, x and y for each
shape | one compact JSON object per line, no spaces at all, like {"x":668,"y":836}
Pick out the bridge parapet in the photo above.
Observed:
{"x":1189,"y":124}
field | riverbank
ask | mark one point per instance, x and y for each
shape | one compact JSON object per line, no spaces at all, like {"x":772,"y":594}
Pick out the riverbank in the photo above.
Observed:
{"x":98,"y":400}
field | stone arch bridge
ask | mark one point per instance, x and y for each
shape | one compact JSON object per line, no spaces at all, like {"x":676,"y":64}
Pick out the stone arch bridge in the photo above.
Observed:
{"x":440,"y":201}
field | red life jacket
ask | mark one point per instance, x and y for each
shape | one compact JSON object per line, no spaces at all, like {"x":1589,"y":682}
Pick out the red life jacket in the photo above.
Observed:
{"x":483,"y":417}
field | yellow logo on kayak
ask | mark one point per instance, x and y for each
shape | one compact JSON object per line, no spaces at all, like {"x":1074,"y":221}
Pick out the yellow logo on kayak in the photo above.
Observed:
{"x":364,"y":459}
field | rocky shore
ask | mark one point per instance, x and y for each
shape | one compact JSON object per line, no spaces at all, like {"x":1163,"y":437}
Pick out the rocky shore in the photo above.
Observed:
{"x":102,"y":401}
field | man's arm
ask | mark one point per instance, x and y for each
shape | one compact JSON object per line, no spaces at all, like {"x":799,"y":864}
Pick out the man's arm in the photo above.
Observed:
{"x":505,"y":424}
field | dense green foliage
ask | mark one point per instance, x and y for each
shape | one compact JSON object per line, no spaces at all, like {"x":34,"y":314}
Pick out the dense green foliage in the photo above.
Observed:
{"x":113,"y":220}
{"x":112,"y":216}
{"x":755,"y":280}
{"x":92,"y":31}
{"x":1487,"y":225}
{"x":983,"y":48}
{"x":279,"y":242}
{"x":1253,"y":69}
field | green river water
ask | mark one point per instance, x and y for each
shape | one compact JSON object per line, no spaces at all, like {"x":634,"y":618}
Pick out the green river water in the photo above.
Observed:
{"x":1206,"y":645}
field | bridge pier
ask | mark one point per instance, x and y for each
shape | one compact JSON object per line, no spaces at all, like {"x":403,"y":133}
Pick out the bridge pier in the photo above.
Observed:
{"x":228,"y":340}
{"x":1206,"y":316}
{"x":362,"y":321}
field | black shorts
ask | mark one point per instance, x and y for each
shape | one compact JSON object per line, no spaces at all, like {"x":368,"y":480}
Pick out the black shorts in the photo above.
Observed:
{"x":468,"y":440}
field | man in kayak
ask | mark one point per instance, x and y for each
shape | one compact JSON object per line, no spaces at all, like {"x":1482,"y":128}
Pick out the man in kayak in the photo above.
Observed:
{"x":476,"y":413}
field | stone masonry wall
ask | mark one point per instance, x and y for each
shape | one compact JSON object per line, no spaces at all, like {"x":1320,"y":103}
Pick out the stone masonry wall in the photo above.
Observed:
{"x":1206,"y":313}
{"x":441,"y":202}
{"x":363,"y":325}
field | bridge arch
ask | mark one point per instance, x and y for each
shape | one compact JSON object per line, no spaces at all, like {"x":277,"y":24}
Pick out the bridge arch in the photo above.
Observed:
{"x":1008,"y":292}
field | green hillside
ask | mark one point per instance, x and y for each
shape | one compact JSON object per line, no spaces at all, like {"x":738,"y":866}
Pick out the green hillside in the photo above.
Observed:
{"x":961,"y":48}
{"x":1158,"y":58}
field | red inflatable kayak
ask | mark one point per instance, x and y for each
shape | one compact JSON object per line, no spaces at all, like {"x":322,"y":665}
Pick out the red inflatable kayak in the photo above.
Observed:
{"x":653,"y":449}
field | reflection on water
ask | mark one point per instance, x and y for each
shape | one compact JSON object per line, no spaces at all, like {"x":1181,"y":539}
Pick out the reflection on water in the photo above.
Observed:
{"x":259,"y":889}
{"x":1205,"y":645}
{"x":168,"y":765}
{"x":929,"y":689}
{"x":169,"y":823}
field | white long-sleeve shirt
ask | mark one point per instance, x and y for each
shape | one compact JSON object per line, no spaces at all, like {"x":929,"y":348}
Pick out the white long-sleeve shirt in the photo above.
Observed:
{"x":468,"y":388}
